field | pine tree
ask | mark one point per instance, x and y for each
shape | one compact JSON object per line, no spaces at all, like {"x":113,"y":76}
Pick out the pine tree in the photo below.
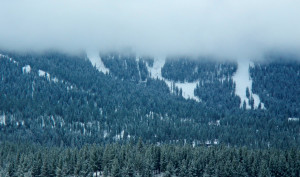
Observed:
{"x":148,"y":169}
{"x":86,"y":170}
{"x":127,"y":171}
{"x":163,"y":162}
{"x":105,"y":171}
{"x":65,"y":169}
{"x":20,"y":171}
{"x":58,"y":172}
{"x":36,"y":169}
{"x":78,"y":167}
{"x":183,"y":171}
{"x":169,"y":171}
{"x":52,"y":168}
{"x":247,"y":93}
{"x":240,"y":171}
{"x":95,"y":162}
{"x":115,"y":169}
{"x":193,"y":171}
{"x":11,"y":170}
{"x":209,"y":169}
{"x":140,"y":145}
{"x":264,"y":170}
{"x":45,"y":169}
{"x":244,"y":105}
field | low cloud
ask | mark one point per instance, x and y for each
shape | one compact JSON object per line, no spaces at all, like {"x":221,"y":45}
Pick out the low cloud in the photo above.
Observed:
{"x":221,"y":28}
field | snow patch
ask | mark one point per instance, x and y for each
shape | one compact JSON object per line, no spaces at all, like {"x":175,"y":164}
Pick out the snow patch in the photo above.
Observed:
{"x":137,"y":59}
{"x":43,"y":122}
{"x":188,"y":90}
{"x":2,"y":119}
{"x":215,"y":123}
{"x":216,"y":141}
{"x":44,"y":74}
{"x":96,"y":61}
{"x":105,"y":134}
{"x":295,"y":119}
{"x":53,"y":120}
{"x":119,"y":136}
{"x":155,"y":71}
{"x":243,"y":81}
{"x":186,"y":87}
{"x":26,"y":69}
{"x":55,"y":80}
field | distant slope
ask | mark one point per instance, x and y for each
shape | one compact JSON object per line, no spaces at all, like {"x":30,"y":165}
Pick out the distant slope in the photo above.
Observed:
{"x":64,"y":98}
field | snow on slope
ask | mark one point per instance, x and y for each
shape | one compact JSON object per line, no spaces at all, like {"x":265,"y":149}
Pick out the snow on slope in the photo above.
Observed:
{"x":187,"y":87}
{"x":95,"y":59}
{"x":155,"y":71}
{"x":243,"y":80}
{"x":10,"y":59}
{"x":137,"y":59}
{"x":26,"y":69}
{"x":2,"y":119}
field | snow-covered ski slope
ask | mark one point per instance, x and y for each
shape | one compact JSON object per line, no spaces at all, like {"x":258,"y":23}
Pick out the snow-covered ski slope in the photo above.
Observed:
{"x":95,"y":59}
{"x":243,"y":80}
{"x":187,"y":87}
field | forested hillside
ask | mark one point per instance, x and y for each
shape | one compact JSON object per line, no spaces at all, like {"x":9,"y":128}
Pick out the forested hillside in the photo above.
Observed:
{"x":58,"y":99}
{"x":278,"y":84}
{"x":199,"y":88}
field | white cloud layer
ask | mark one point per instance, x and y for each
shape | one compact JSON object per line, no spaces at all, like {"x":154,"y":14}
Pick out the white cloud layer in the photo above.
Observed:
{"x":226,"y":28}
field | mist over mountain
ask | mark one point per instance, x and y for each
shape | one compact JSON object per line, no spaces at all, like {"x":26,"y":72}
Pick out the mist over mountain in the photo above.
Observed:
{"x":224,"y":29}
{"x":149,"y":88}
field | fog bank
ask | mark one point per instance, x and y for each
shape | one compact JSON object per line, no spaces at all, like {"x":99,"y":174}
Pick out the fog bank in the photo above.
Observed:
{"x":221,"y":28}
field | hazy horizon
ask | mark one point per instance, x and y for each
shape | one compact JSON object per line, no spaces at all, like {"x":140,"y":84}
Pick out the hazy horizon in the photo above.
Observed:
{"x":227,"y":29}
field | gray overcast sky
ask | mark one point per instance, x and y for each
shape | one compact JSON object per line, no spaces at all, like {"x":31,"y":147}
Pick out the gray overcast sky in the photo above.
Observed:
{"x":227,"y":28}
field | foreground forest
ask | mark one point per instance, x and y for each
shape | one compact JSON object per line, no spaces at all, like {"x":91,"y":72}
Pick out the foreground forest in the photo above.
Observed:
{"x":128,"y":160}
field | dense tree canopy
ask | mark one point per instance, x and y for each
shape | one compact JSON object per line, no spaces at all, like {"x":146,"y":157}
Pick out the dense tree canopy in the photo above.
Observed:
{"x":72,"y":103}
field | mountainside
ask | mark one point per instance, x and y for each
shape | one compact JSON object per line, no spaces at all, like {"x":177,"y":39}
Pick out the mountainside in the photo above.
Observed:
{"x":55,"y":98}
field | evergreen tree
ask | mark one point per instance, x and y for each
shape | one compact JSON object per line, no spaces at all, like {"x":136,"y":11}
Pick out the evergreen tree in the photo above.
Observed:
{"x":36,"y":168}
{"x":105,"y":171}
{"x":209,"y":169}
{"x":193,"y":171}
{"x":11,"y":170}
{"x":247,"y":93}
{"x":45,"y":169}
{"x":183,"y":171}
{"x":58,"y":172}
{"x":95,"y":162}
{"x":169,"y":170}
{"x":115,"y":170}
{"x":264,"y":170}
{"x":20,"y":171}
{"x":86,"y":170}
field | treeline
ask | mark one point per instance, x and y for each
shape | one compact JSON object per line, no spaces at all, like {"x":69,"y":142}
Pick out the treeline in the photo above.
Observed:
{"x":115,"y":160}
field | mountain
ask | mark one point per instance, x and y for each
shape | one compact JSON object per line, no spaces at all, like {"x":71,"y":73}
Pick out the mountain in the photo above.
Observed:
{"x":54,"y":98}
